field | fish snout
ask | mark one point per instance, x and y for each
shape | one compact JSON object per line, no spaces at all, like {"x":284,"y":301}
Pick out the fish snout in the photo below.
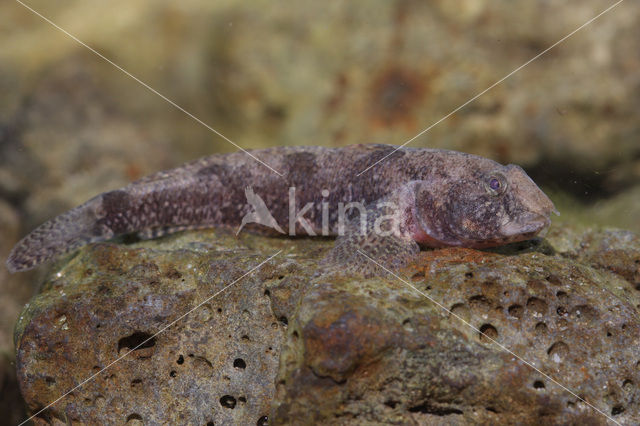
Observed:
{"x":528,"y":225}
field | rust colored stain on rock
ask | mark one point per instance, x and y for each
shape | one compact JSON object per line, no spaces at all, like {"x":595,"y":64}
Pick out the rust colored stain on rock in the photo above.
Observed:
{"x":395,"y":93}
{"x":343,"y":337}
{"x":431,"y":261}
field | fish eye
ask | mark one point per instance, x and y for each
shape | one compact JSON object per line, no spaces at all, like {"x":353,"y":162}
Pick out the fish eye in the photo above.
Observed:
{"x":496,"y":184}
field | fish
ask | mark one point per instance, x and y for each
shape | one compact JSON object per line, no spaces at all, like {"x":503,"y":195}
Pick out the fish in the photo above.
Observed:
{"x":414,"y":198}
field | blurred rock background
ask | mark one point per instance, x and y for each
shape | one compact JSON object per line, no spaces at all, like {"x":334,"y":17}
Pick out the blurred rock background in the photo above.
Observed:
{"x":331,"y":73}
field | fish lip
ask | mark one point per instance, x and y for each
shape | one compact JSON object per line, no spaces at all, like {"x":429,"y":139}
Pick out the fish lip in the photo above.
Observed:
{"x":532,"y":224}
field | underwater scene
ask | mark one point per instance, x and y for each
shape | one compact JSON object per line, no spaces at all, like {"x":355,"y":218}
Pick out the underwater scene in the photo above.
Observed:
{"x":351,"y":213}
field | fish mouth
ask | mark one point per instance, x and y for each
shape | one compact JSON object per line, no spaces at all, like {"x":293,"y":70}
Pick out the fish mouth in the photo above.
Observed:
{"x":527,"y":227}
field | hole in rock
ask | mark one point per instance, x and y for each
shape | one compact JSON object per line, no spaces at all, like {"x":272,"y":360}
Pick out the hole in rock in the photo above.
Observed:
{"x":134,"y":418}
{"x":487,"y":331}
{"x":228,"y":401}
{"x":173,"y":274}
{"x":263,"y":421}
{"x":538,"y":385}
{"x":210,"y":424}
{"x":391,"y":403}
{"x":49,"y":380}
{"x":491,"y":409}
{"x":537,"y":305}
{"x":242,"y":399}
{"x":516,"y":311}
{"x":558,"y":351}
{"x":618,"y":409}
{"x":554,"y":279}
{"x":180,"y":360}
{"x":460,"y":310}
{"x":438,"y":411}
{"x":137,"y":340}
{"x":541,"y":328}
{"x":469,"y":274}
{"x":284,"y":320}
{"x":135,"y":382}
{"x":479,"y":302}
{"x":172,"y":373}
{"x":239,"y":363}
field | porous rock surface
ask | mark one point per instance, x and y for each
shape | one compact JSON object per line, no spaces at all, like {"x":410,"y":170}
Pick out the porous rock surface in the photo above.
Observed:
{"x":285,"y":346}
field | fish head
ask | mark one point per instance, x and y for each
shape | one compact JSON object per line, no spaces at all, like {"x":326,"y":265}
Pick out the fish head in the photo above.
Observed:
{"x":487,"y":206}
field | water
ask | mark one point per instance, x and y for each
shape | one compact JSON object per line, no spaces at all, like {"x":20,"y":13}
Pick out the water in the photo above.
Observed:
{"x":196,"y":78}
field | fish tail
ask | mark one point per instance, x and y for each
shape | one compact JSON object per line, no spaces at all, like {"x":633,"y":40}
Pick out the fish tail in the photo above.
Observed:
{"x":60,"y":235}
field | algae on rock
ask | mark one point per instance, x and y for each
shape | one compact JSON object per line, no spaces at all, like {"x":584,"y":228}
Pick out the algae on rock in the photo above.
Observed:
{"x":293,"y":346}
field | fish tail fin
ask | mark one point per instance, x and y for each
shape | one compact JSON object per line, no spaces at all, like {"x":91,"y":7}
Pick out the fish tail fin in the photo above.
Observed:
{"x":58,"y":236}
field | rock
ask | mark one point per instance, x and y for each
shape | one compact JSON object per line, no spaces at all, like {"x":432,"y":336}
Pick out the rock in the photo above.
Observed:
{"x":298,"y":348}
{"x":15,"y":291}
{"x":72,"y":126}
{"x":71,"y":140}
{"x":622,"y":210}
{"x":216,"y":364}
{"x":266,"y":75}
{"x":11,"y":403}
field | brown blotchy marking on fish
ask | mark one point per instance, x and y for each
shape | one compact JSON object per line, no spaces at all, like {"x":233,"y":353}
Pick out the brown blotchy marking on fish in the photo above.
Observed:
{"x":301,"y":169}
{"x":219,"y":170}
{"x":113,"y":204}
{"x":300,"y":163}
{"x":114,"y":201}
{"x":384,"y":153}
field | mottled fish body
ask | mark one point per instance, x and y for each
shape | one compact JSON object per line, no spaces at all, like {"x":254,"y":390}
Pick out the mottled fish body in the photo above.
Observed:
{"x":443,"y":198}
